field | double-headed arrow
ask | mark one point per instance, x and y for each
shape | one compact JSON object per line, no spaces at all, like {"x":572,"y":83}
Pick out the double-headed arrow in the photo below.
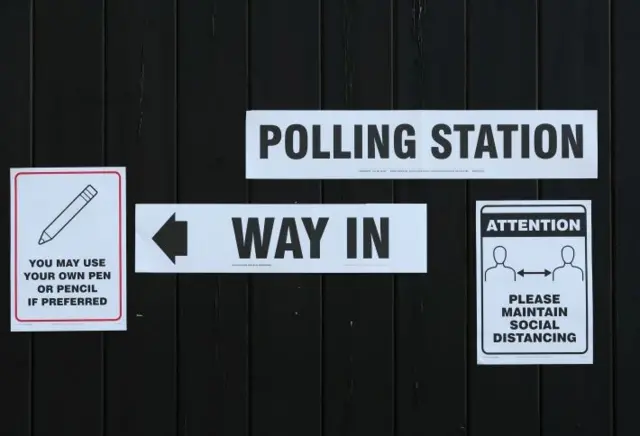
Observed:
{"x":522,"y":272}
{"x":172,"y":238}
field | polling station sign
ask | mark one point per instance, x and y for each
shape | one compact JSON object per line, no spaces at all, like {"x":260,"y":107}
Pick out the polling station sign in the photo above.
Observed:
{"x":534,"y":282}
{"x":283,"y":238}
{"x":521,"y":144}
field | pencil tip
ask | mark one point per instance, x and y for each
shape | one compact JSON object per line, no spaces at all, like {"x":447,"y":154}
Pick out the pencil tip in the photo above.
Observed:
{"x":41,"y":241}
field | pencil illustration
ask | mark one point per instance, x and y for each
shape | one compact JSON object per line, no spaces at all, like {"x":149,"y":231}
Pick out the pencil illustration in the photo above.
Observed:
{"x":68,"y":214}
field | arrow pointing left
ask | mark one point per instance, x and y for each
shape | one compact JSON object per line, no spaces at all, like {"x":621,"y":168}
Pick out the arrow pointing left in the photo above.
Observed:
{"x":172,"y":238}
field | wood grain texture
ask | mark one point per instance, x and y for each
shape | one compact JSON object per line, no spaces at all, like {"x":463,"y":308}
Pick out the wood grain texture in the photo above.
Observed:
{"x":358,"y":353}
{"x":574,"y":74}
{"x":501,"y":74}
{"x":17,"y":151}
{"x":213,"y":309}
{"x":161,"y":86}
{"x":431,"y":356}
{"x":142,"y":364}
{"x":625,"y":179}
{"x":286,"y":310}
{"x":68,"y":117}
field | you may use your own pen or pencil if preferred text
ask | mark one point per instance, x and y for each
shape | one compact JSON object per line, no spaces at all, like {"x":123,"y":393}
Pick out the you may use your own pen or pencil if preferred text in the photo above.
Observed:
{"x":68,"y":282}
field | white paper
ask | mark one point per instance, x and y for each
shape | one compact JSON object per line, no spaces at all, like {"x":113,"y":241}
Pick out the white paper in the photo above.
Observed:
{"x":534,"y":282}
{"x":288,"y":144}
{"x":212,"y":246}
{"x":68,"y":249}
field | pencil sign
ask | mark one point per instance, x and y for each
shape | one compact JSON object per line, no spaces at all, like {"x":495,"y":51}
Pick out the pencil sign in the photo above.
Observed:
{"x":283,"y":238}
{"x":373,"y":144}
{"x":68,"y":249}
{"x":68,"y":214}
{"x":534,"y":286}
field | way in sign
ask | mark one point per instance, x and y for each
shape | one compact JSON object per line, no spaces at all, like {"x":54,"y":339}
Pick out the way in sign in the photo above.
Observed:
{"x":281,"y":238}
{"x":254,"y":238}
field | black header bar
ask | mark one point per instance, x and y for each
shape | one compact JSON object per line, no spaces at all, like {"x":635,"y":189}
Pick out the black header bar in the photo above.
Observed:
{"x":533,"y":224}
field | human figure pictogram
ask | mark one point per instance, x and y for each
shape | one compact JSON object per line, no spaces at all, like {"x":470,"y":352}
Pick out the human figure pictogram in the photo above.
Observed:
{"x":500,"y":270}
{"x":568,"y":269}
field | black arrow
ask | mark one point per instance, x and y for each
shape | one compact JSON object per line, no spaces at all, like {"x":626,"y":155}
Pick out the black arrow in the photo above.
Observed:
{"x":522,"y":272}
{"x":172,"y":238}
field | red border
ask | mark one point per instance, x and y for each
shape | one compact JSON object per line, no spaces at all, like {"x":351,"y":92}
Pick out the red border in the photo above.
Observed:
{"x":15,"y":238}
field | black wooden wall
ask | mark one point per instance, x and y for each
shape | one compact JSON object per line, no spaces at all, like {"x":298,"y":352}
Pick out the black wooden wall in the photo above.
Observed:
{"x":161,"y":87}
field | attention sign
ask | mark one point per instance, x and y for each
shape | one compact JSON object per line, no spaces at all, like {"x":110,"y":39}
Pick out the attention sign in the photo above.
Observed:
{"x":534,"y":285}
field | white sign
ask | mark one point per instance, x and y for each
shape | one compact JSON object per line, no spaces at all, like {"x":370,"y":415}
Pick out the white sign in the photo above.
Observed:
{"x":373,"y":144}
{"x":534,"y":287}
{"x":68,"y":249}
{"x":281,"y":238}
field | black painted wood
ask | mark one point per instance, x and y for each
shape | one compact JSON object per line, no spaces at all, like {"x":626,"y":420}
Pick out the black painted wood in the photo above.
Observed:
{"x":358,"y":358}
{"x":431,"y":370}
{"x":501,"y":74}
{"x":574,"y":74}
{"x":142,"y":364}
{"x":285,"y":366}
{"x":625,"y":176}
{"x":161,"y":86}
{"x":213,"y":310}
{"x":16,"y":151}
{"x":68,"y":130}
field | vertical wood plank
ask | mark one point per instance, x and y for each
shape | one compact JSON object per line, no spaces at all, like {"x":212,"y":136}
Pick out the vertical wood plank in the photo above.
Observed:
{"x":358,"y":348}
{"x":502,"y":74}
{"x":574,"y":74}
{"x":625,"y":154}
{"x":286,"y":310}
{"x":213,"y":308}
{"x":431,"y":315}
{"x":15,"y":131}
{"x":141,"y":395}
{"x":68,"y":131}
